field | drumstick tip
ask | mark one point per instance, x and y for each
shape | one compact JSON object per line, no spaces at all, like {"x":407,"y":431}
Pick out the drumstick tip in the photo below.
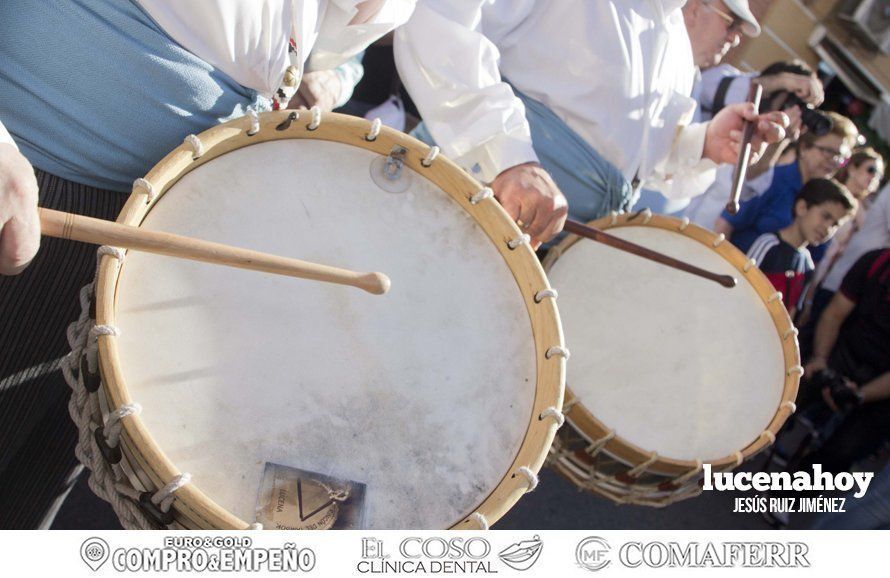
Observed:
{"x":728,"y":281}
{"x":375,"y":283}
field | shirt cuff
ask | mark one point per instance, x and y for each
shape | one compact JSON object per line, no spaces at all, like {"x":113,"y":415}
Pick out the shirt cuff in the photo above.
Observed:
{"x":689,"y":147}
{"x":685,"y":174}
{"x":350,"y":74}
{"x":485,"y":162}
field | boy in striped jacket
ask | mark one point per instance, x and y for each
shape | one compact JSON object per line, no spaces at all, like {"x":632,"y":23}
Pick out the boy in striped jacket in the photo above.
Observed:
{"x":820,"y":207}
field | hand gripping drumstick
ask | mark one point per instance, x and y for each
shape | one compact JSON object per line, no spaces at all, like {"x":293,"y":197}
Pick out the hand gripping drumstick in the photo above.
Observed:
{"x":100,"y":232}
{"x":741,"y":167}
{"x":599,"y":236}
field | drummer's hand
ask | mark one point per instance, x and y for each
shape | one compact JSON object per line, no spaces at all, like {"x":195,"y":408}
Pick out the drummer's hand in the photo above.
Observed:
{"x":19,"y":223}
{"x":532,"y":199}
{"x":724,"y":133}
{"x":321,"y":88}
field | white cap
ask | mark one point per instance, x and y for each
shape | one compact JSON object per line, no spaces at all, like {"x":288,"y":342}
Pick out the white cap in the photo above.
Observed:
{"x":740,"y":8}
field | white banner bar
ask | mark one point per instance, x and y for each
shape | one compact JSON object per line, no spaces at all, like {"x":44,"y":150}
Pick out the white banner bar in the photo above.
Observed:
{"x":399,"y":553}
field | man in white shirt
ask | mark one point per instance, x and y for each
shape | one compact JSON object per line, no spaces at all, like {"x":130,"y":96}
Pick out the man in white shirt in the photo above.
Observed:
{"x":607,"y":83}
{"x":715,"y":26}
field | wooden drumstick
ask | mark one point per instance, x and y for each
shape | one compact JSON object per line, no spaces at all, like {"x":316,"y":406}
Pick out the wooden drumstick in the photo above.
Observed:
{"x":101,"y":232}
{"x":741,"y":167}
{"x":587,"y":232}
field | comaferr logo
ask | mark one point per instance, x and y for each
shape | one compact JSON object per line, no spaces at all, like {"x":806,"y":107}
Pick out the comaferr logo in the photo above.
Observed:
{"x":522,"y":555}
{"x":714,"y":555}
{"x":593,"y":553}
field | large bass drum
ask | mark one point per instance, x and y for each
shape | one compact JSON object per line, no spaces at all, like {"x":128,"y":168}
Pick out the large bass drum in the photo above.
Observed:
{"x":669,"y":371}
{"x":441,"y":397}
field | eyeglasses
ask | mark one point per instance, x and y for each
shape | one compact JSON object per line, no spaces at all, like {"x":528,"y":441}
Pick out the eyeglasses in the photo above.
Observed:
{"x":733,"y":22}
{"x":835,"y":155}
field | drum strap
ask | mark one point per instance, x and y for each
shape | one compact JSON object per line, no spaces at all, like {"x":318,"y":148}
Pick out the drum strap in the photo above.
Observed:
{"x":292,"y":76}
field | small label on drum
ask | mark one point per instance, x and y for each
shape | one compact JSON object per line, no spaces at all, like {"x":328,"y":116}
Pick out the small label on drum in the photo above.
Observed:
{"x":295,"y":499}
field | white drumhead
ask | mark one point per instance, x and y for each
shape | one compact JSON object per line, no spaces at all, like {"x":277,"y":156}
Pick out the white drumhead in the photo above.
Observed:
{"x":673,"y":363}
{"x":424,"y":394}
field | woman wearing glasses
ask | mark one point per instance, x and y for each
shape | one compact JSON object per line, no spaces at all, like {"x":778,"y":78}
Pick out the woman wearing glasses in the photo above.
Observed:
{"x":818,"y":157}
{"x":862,"y":175}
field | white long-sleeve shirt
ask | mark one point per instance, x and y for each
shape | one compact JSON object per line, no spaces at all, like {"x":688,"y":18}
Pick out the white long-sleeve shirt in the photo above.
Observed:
{"x":618,"y":72}
{"x":248,"y":39}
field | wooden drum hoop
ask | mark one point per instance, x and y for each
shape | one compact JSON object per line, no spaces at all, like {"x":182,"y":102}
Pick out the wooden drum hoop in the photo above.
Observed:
{"x":145,"y":462}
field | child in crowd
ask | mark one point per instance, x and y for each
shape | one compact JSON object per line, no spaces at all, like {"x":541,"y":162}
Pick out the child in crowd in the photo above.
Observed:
{"x":820,"y":207}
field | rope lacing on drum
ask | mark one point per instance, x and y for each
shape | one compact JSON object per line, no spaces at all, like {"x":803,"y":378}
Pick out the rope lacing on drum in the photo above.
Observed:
{"x":545,"y":293}
{"x":105,"y":481}
{"x":646,"y":214}
{"x":777,"y":296}
{"x":522,"y":239}
{"x":316,"y":118}
{"x":115,"y":252}
{"x":789,"y":332}
{"x":770,"y":436}
{"x":163,"y":498}
{"x":699,"y":467}
{"x":568,"y":405}
{"x":684,"y":223}
{"x":113,"y":422}
{"x":484,"y":193}
{"x":719,"y":240}
{"x":147,"y":187}
{"x":92,"y":347}
{"x":254,"y":122}
{"x":798,"y":369}
{"x":597,"y":446}
{"x":196,"y":144}
{"x":636,"y":471}
{"x":480,"y":520}
{"x":748,"y":264}
{"x":430,"y":156}
{"x":529,"y":476}
{"x":98,"y":330}
{"x":374,"y":132}
{"x":559,"y":351}
{"x":554,"y":413}
{"x":789,"y":405}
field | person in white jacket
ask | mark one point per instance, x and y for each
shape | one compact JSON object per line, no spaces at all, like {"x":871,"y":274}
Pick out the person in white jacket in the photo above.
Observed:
{"x":596,"y":93}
